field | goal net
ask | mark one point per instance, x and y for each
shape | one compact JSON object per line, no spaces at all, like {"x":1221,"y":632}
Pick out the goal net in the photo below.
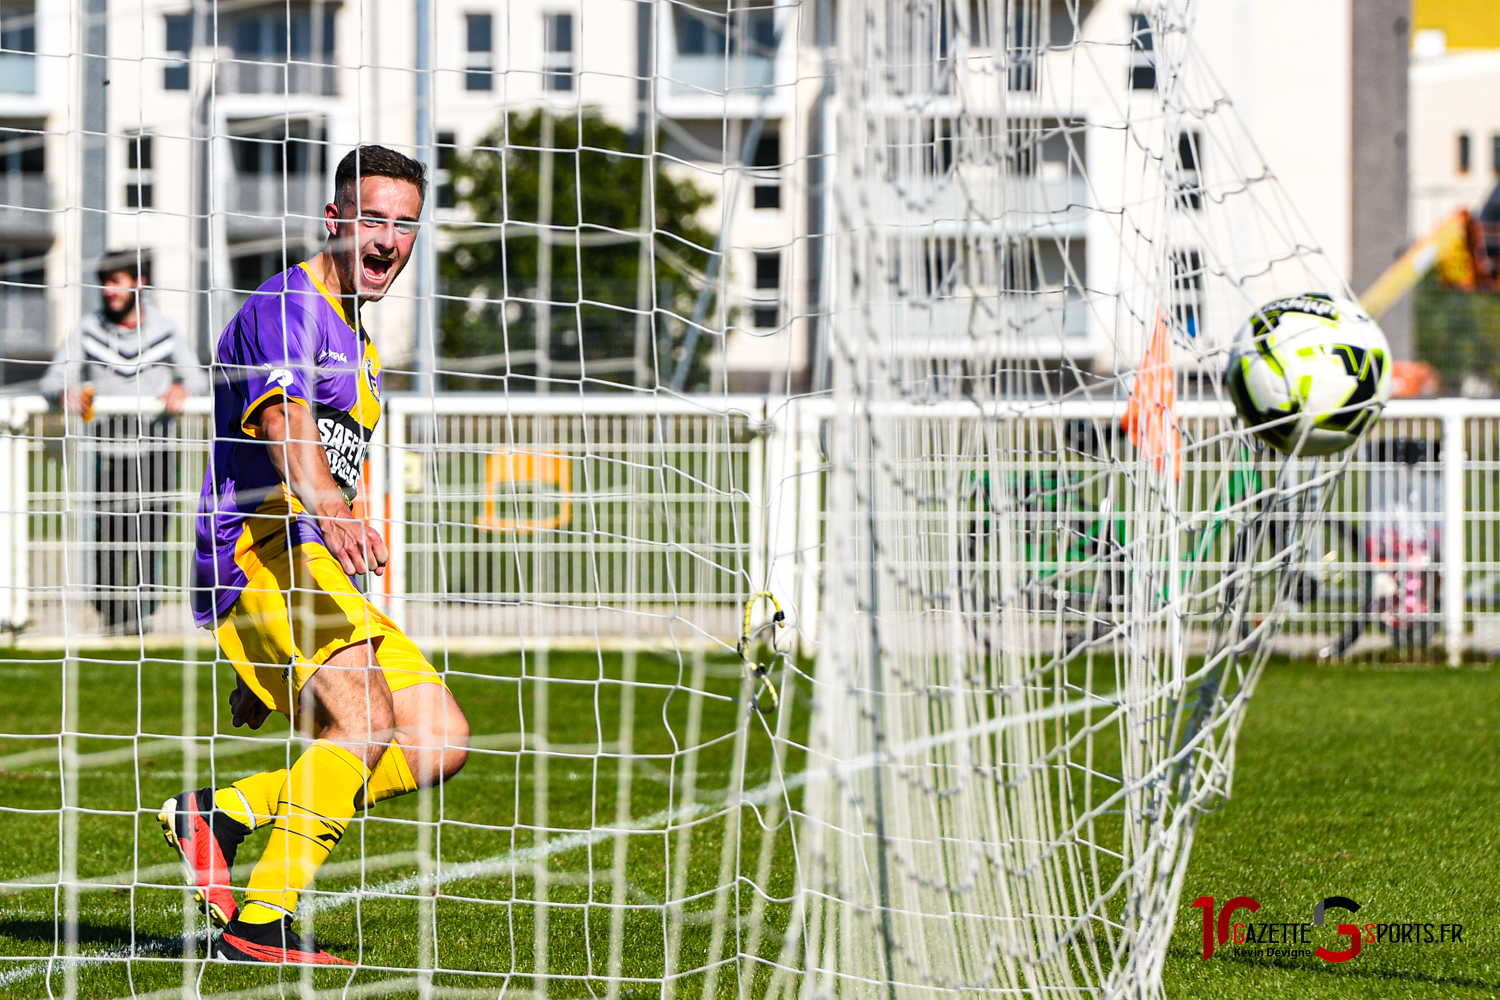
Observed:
{"x":804,"y":454}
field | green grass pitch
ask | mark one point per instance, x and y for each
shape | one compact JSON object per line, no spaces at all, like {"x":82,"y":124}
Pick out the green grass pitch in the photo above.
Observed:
{"x":487,"y":847}
{"x":1379,"y":784}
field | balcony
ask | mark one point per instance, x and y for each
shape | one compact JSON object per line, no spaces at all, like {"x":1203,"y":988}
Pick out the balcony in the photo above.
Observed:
{"x":25,"y":207}
{"x":1048,"y":323}
{"x":25,"y":325}
{"x":1022,"y":205}
{"x":718,"y":62}
{"x":251,"y":77}
{"x":259,"y":205}
{"x":17,"y":73}
{"x":719,"y":74}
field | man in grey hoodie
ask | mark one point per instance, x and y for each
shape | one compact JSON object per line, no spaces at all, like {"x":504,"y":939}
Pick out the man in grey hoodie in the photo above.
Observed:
{"x":127,"y":460}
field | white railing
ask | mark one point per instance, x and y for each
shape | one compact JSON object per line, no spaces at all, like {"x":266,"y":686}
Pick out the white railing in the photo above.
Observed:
{"x":620,"y":519}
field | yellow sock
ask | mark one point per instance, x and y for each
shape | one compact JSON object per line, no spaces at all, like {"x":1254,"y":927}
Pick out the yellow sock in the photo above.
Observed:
{"x":392,"y":777}
{"x":316,"y":805}
{"x":253,"y":800}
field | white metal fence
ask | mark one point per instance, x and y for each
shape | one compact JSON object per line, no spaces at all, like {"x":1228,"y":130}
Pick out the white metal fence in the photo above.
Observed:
{"x":616,"y":519}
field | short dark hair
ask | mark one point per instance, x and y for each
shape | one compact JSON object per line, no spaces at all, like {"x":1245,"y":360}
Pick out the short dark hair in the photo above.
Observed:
{"x":136,"y":263}
{"x":375,"y":161}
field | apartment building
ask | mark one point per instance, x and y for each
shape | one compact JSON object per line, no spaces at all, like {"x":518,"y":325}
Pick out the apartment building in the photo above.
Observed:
{"x":224,"y":121}
{"x":30,"y":89}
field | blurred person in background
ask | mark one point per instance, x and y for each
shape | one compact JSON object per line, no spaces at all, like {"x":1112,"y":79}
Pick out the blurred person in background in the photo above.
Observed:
{"x":127,"y":461}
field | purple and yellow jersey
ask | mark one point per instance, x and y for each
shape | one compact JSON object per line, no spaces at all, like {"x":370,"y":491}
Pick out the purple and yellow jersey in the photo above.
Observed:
{"x":290,"y":341}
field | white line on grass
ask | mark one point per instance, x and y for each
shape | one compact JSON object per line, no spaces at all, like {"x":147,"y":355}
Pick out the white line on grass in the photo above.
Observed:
{"x":235,"y":746}
{"x":123,"y":755}
{"x":382,"y":987}
{"x":157,"y":876}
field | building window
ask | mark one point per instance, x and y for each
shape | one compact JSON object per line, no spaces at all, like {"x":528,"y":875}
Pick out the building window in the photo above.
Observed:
{"x":22,"y":151}
{"x":1189,"y":173}
{"x":22,"y":265}
{"x":979,"y":24}
{"x":1023,"y":43}
{"x":698,"y":33}
{"x":760,"y":29}
{"x":280,"y":169}
{"x":296,"y":147}
{"x":179,"y":44}
{"x":557,"y":52}
{"x":250,"y":271}
{"x":274,"y":36}
{"x":1063,"y":20}
{"x":939,"y":146}
{"x":1019,"y":268}
{"x":768,"y":271}
{"x":766,"y":312}
{"x":1187,"y":289}
{"x":1465,"y":153}
{"x":936,"y":146}
{"x":447,"y":143}
{"x":138,"y":172}
{"x":480,"y":65}
{"x":1142,"y":53}
{"x":18,"y":40}
{"x":751,"y":32}
{"x":25,"y":320}
{"x":279,"y":50}
{"x":18,"y":26}
{"x":766,"y":172}
{"x":963,"y":268}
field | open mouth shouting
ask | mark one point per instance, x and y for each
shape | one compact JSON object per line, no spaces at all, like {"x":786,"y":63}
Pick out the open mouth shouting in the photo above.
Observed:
{"x":375,"y":270}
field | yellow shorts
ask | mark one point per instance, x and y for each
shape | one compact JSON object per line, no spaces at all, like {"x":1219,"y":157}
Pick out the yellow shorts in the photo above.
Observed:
{"x":297,"y":610}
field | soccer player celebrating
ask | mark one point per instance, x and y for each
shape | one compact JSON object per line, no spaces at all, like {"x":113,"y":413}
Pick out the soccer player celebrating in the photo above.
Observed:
{"x":296,"y":396}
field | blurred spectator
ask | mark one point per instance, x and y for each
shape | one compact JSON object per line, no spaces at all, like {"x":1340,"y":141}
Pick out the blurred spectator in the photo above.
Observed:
{"x":126,"y":460}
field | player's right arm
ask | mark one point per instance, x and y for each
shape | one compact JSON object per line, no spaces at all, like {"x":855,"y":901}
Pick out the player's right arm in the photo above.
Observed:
{"x":291,"y":434}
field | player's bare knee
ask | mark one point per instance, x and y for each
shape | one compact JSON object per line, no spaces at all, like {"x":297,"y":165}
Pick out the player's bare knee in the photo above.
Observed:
{"x":455,"y":754}
{"x":429,"y":721}
{"x":456,"y":737}
{"x":447,"y":734}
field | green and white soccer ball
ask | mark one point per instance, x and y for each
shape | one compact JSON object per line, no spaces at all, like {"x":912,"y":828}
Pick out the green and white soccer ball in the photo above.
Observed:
{"x":1309,"y":373}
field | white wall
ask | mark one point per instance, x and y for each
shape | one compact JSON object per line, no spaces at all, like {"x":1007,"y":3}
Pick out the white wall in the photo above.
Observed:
{"x":1286,"y":66}
{"x":1459,"y":92}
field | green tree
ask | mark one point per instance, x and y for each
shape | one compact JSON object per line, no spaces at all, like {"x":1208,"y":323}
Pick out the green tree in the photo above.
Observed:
{"x":491,"y":277}
{"x":1458,"y":333}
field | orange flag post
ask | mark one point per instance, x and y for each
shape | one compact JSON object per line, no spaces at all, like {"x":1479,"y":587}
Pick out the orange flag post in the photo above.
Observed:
{"x":1151,"y":415}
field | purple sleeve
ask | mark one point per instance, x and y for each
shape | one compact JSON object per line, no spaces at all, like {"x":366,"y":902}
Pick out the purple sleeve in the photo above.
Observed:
{"x":276,"y":340}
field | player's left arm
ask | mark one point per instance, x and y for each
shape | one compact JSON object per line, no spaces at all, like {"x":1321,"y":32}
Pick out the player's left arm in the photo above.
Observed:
{"x":297,"y":452}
